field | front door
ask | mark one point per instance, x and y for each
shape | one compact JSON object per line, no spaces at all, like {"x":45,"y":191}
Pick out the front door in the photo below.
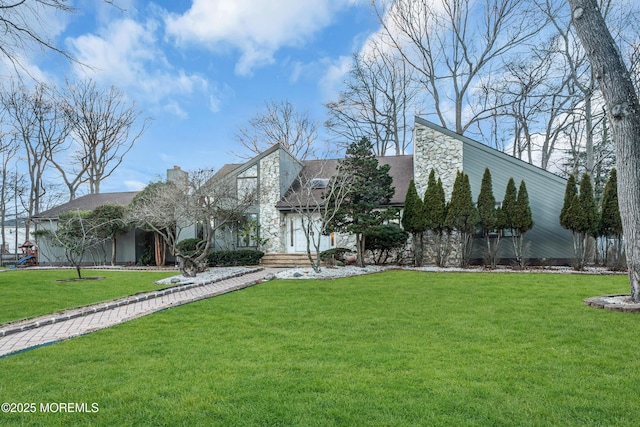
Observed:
{"x":296,"y":239}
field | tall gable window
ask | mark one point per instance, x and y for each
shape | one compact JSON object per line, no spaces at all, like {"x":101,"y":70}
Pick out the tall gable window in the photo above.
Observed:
{"x":247,"y":181}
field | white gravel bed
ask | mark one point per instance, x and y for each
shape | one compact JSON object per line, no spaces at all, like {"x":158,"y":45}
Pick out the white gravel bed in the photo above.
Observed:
{"x":210,"y":275}
{"x":336,"y":272}
{"x":328,"y":273}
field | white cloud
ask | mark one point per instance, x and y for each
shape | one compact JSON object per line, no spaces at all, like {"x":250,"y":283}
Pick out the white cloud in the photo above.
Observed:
{"x":133,"y":185}
{"x":127,"y":53}
{"x":334,"y":76}
{"x":256,"y":28}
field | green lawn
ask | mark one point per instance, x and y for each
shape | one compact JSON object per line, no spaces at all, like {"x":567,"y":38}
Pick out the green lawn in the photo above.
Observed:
{"x":391,"y":349}
{"x":28,"y":293}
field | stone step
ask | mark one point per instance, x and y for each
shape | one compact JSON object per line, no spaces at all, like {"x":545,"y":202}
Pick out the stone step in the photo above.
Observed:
{"x":285,"y":260}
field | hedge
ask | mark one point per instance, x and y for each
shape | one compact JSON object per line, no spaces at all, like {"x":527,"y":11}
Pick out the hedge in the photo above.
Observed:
{"x":234,"y":258}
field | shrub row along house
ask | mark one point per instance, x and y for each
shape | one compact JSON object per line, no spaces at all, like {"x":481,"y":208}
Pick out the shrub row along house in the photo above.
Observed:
{"x":290,"y":192}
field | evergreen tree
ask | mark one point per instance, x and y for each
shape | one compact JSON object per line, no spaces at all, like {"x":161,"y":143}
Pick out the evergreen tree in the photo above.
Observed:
{"x":369,"y":189}
{"x":516,"y":217}
{"x":581,"y":218}
{"x":413,"y":221}
{"x":610,"y":223}
{"x":509,"y":206}
{"x":588,"y":206}
{"x":569,"y":192}
{"x":435,"y":212}
{"x":488,"y":219}
{"x":462,"y":216}
{"x":522,"y":222}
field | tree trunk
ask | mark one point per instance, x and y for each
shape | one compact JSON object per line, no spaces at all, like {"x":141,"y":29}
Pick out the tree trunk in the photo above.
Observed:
{"x":160,"y":250}
{"x":623,"y":112}
{"x":360,"y":244}
{"x":113,"y":251}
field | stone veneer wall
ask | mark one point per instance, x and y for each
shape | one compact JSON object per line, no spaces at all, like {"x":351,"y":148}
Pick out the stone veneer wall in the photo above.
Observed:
{"x":444,"y":154}
{"x":437,"y":151}
{"x":270,"y":217}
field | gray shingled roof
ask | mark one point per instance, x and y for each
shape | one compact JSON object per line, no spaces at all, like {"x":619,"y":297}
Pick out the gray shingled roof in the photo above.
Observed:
{"x":401,"y":171}
{"x":89,"y":202}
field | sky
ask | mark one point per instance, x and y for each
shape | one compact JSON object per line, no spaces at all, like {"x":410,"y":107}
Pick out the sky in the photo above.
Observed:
{"x":202,"y":68}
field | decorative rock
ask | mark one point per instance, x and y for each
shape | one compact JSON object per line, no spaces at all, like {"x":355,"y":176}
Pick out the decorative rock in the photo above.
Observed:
{"x":614,"y":303}
{"x":296,"y":274}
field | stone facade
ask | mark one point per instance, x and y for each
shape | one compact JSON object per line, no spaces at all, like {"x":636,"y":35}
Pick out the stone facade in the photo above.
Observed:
{"x":437,"y":151}
{"x":271,"y":220}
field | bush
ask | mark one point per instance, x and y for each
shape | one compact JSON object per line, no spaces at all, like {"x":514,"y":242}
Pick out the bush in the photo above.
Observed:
{"x":234,"y":258}
{"x":189,"y":247}
{"x":330,"y":256}
{"x":382,"y":240}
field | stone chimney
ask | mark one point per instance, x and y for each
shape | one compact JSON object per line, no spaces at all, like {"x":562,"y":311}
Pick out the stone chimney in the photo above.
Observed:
{"x":178,"y":176}
{"x":437,"y":150}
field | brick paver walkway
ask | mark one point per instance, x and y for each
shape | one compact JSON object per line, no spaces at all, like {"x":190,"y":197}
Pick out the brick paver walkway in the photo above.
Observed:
{"x":46,"y":330}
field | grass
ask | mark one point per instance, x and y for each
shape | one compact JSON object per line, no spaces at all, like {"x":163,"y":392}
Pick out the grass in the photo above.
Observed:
{"x":397,"y":348}
{"x":28,"y":293}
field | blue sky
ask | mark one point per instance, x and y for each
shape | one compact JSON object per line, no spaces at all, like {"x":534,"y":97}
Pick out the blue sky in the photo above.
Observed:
{"x":201,"y":68}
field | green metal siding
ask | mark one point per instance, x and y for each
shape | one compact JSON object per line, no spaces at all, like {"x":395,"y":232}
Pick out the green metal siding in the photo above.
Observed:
{"x":546,"y":194}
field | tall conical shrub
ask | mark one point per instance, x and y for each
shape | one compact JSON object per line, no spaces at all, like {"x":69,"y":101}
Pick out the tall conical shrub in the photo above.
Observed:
{"x":488,"y":219}
{"x":413,"y":221}
{"x":462,"y":216}
{"x":434,"y":213}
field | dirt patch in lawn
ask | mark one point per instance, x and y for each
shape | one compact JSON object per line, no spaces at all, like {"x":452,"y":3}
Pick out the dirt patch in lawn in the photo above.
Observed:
{"x":82,"y":279}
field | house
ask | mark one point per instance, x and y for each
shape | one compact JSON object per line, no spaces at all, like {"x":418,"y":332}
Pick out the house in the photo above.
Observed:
{"x":129,"y":247}
{"x":275,"y":175}
{"x":287,"y":187}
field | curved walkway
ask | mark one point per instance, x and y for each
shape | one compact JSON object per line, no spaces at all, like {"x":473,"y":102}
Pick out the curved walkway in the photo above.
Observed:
{"x":51,"y":329}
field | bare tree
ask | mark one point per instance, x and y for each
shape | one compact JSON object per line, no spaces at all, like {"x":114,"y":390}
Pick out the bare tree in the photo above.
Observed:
{"x":170,"y":209}
{"x":104,"y":126}
{"x":23,"y":27}
{"x":33,"y":122}
{"x":623,"y":110}
{"x":279,"y":122}
{"x":8,"y":182}
{"x":307,"y":199}
{"x":533,"y":94}
{"x":452,"y":44}
{"x":378,"y":101}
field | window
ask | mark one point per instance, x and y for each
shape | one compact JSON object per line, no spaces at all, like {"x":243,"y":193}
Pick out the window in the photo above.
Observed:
{"x":318,"y":183}
{"x":247,"y":182}
{"x":248,"y":231}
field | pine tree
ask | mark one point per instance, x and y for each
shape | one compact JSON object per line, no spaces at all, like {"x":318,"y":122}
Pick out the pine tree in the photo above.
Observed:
{"x":369,"y":189}
{"x":488,"y":219}
{"x":435,"y":212}
{"x":462,"y":216}
{"x":413,"y":221}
